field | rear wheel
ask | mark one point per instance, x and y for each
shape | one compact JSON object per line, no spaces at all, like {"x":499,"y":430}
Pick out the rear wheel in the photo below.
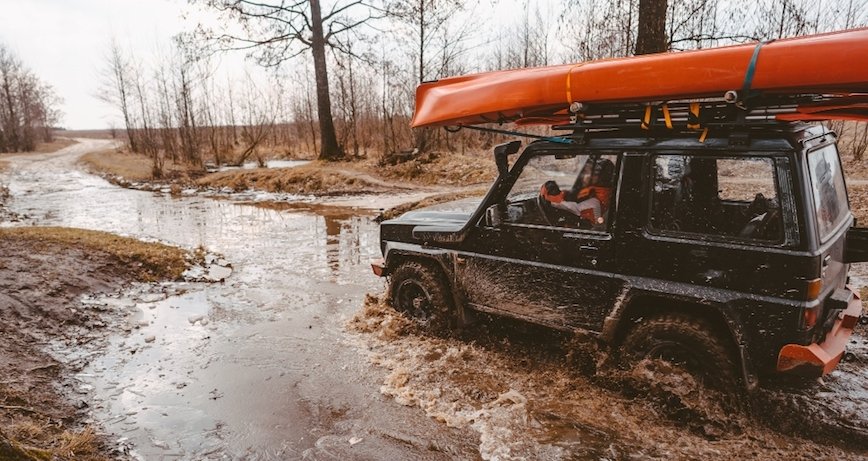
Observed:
{"x":685,"y":341}
{"x":419,"y":291}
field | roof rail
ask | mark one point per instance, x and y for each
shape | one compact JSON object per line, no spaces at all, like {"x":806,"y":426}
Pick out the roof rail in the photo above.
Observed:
{"x":760,"y":111}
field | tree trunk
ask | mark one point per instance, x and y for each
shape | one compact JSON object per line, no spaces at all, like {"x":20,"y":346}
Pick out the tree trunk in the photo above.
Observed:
{"x":329,"y":147}
{"x":421,"y":133}
{"x":652,"y":27}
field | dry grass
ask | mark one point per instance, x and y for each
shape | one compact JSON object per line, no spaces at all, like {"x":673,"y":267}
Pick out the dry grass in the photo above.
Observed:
{"x":83,"y":445}
{"x":93,"y":134}
{"x":438,"y":169}
{"x":320,"y":178}
{"x":49,"y":147}
{"x":4,"y":166}
{"x":54,"y":146}
{"x":326,"y":178}
{"x":132,"y":167}
{"x":76,"y":445}
{"x":37,"y":437}
{"x":152,"y":261}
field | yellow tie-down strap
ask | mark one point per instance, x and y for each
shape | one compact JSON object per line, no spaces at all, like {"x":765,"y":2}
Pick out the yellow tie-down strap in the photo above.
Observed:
{"x":569,"y":85}
{"x":694,"y":123}
{"x":646,"y":119}
{"x":666,"y":116}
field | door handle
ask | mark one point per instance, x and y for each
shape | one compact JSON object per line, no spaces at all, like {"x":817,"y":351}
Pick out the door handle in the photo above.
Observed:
{"x":588,"y":248}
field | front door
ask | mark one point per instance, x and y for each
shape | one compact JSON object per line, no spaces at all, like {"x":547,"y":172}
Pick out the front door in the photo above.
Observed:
{"x":541,"y":263}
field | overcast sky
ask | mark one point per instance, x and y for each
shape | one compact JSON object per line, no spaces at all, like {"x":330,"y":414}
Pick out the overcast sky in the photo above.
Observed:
{"x":64,"y":42}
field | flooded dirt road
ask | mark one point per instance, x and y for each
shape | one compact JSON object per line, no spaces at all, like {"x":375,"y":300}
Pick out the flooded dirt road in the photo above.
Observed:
{"x":287,"y":359}
{"x":257,"y":367}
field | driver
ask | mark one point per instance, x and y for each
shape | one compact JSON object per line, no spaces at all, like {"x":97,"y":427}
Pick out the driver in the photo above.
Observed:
{"x":591,"y":194}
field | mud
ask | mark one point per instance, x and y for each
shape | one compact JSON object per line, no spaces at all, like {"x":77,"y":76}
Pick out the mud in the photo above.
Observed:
{"x":288,"y":358}
{"x":530,"y":394}
{"x":39,"y":288}
{"x":256,"y":367}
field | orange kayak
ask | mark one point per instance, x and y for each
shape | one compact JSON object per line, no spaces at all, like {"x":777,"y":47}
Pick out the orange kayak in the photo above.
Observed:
{"x":835,"y":63}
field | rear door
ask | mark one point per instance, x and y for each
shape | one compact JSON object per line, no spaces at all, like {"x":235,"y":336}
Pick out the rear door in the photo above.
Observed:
{"x":721,"y":221}
{"x":832,"y":214}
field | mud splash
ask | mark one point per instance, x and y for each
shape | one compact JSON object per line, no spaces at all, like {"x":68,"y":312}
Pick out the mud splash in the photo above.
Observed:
{"x":529,"y":400}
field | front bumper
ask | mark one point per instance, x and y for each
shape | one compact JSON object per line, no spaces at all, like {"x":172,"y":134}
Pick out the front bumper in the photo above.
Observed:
{"x":817,"y":359}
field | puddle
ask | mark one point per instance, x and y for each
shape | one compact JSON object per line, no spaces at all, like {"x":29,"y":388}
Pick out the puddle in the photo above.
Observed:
{"x":255,"y":367}
{"x":254,"y":165}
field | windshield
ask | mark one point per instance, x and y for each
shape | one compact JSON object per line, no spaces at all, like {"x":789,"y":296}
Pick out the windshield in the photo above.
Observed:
{"x":546,"y":167}
{"x":830,"y":194}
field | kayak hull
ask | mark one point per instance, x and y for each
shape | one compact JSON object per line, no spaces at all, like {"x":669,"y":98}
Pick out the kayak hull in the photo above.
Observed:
{"x":833,"y":63}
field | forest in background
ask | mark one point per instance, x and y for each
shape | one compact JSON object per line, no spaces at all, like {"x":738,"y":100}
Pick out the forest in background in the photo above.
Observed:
{"x":343,"y":73}
{"x":29,"y":107}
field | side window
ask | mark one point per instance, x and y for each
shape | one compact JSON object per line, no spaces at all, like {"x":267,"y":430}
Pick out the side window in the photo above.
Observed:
{"x":572,"y":191}
{"x":732,"y":197}
{"x":827,"y":185}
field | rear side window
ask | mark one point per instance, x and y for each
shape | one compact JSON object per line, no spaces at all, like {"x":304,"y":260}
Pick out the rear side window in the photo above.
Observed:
{"x":827,"y":185}
{"x":731,"y":197}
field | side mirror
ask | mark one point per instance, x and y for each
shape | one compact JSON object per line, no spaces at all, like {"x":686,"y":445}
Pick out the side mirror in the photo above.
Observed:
{"x":493,"y":216}
{"x":502,"y":153}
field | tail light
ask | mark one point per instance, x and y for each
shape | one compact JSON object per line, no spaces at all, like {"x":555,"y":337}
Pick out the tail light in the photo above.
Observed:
{"x":811,"y":316}
{"x":813,"y":288}
{"x":812,"y":292}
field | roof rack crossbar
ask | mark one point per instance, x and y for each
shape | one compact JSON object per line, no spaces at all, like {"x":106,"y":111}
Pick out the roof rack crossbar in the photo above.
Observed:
{"x":763,"y":110}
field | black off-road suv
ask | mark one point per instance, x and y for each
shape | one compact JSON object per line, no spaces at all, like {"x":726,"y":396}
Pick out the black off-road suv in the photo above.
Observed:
{"x":728,"y":255}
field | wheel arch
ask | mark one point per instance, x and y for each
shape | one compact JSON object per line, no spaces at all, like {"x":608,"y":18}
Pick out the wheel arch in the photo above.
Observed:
{"x":438,"y":260}
{"x":442,"y":261}
{"x":724,"y":320}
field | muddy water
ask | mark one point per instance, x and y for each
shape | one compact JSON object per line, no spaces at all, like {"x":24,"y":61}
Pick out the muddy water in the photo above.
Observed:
{"x":286,"y":359}
{"x":256,"y":367}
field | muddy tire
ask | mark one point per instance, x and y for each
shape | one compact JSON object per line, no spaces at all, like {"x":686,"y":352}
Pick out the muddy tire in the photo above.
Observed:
{"x":686,"y":341}
{"x":419,"y":291}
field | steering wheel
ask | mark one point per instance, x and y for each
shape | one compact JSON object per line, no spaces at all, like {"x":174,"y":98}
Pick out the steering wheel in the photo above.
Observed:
{"x":543,"y":206}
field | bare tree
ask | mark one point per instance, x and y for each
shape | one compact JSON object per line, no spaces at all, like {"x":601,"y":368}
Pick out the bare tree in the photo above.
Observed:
{"x":597,"y":29}
{"x":275,"y":32}
{"x":10,"y":68}
{"x":116,"y":89}
{"x":428,"y":24}
{"x":28,"y":106}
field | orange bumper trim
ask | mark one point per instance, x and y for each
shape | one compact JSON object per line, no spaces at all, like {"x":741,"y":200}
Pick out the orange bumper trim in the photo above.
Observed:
{"x":817,"y":359}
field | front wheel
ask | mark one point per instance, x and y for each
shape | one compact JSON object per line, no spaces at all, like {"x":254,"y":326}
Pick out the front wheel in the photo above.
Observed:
{"x":685,"y":341}
{"x":419,"y":291}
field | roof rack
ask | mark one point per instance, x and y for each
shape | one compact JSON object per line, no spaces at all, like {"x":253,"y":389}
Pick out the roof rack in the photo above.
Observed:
{"x":700,"y":114}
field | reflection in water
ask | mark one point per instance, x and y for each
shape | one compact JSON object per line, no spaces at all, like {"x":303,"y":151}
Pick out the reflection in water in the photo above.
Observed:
{"x":343,"y":241}
{"x":243,"y":369}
